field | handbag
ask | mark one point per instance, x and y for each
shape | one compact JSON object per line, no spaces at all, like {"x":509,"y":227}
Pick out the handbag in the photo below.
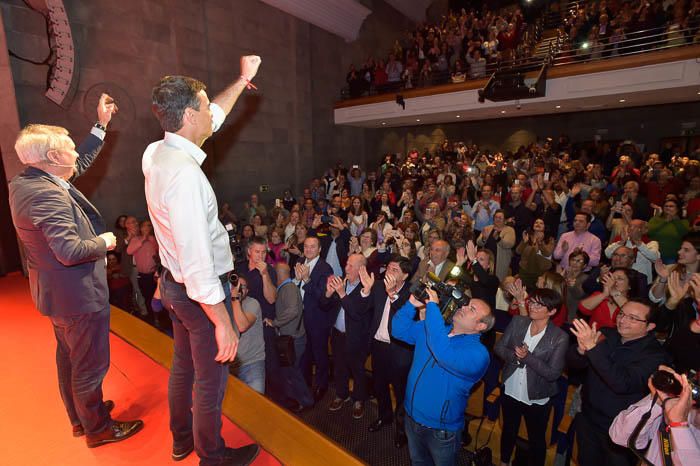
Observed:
{"x":284,"y":347}
{"x":481,"y":456}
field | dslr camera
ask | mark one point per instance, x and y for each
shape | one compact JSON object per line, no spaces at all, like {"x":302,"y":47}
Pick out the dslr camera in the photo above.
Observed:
{"x":450,"y":297}
{"x":665,"y":382}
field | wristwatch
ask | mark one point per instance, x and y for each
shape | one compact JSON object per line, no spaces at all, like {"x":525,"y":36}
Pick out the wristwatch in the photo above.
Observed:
{"x":99,"y":125}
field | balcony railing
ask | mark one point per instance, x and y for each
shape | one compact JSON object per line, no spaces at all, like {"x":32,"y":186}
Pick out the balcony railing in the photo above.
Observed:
{"x":560,"y":51}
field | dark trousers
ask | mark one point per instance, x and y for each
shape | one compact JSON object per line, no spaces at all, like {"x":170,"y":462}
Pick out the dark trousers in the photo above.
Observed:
{"x":147,"y":285}
{"x":294,"y":383}
{"x":316,"y":353}
{"x":348,"y":361}
{"x":428,"y":446}
{"x":274,"y":386}
{"x":387,"y":370}
{"x":82,"y":360}
{"x":197,"y":420}
{"x":536,"y":417}
{"x":596,"y":448}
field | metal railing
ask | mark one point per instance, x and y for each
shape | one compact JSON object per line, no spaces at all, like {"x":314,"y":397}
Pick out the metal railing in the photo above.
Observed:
{"x":561,"y":51}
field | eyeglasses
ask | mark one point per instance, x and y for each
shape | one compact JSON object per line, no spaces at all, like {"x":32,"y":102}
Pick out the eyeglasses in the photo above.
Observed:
{"x":621,"y":315}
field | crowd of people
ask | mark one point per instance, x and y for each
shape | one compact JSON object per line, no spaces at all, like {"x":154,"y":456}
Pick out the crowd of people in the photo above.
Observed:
{"x":457,"y":48}
{"x":588,"y":258}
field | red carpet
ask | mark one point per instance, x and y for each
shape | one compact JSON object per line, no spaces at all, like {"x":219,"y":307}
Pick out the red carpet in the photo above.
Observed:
{"x":35,"y":429}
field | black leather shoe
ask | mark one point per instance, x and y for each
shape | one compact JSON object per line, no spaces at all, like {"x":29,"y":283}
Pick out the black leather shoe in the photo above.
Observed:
{"x":118,"y":431}
{"x":319,"y":393}
{"x":78,"y":430}
{"x":377,"y":425}
{"x":180,"y":453}
{"x":400,"y":439}
{"x":242,"y":456}
{"x":300,"y":408}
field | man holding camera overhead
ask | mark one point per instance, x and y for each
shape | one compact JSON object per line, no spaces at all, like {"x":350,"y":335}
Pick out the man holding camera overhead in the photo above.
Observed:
{"x":447,"y":362}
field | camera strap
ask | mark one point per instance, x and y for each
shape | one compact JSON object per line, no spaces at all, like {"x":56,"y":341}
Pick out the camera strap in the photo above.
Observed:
{"x":632,"y":440}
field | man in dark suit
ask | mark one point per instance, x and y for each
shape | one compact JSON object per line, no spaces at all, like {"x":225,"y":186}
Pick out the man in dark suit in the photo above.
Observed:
{"x":391,"y":358}
{"x":311,"y":277}
{"x":66,"y":242}
{"x":347,"y":299}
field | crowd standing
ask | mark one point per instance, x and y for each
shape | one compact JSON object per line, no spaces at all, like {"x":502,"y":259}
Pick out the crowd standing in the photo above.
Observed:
{"x":587,"y":266}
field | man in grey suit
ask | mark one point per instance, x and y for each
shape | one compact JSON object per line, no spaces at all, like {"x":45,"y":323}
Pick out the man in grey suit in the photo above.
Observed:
{"x":65,"y":243}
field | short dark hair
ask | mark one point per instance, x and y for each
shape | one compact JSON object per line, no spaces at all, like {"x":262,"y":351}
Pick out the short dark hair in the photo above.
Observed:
{"x":588,"y":216}
{"x":403,"y":263}
{"x":653,"y":313}
{"x":693,"y":238}
{"x":584,"y":254}
{"x":551,"y":299}
{"x":171,"y":97}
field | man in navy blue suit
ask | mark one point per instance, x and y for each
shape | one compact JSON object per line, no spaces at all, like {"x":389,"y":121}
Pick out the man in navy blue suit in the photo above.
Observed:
{"x":311,"y":277}
{"x":66,"y":241}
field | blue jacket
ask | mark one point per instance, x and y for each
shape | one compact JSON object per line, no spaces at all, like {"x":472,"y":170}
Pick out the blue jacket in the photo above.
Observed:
{"x":444,"y":368}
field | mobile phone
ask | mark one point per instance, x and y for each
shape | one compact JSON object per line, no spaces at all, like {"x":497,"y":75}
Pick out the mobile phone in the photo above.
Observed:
{"x":355,"y":166}
{"x":516,"y":182}
{"x":546,"y":176}
{"x":278,"y":202}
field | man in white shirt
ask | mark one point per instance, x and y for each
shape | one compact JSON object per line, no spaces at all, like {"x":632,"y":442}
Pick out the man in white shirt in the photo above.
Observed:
{"x":194,"y":250}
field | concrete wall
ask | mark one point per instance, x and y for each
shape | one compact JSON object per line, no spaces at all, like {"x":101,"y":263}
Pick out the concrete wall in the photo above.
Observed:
{"x":280,"y":136}
{"x":646,"y":125}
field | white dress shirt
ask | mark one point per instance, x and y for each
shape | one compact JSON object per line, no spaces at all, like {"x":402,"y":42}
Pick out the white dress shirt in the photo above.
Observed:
{"x":382,"y":333}
{"x":310,"y":264}
{"x":193,"y":244}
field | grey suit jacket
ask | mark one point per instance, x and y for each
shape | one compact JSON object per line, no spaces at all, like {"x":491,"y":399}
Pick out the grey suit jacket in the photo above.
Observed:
{"x":65,"y":258}
{"x":423,"y":269}
{"x":544,"y":365}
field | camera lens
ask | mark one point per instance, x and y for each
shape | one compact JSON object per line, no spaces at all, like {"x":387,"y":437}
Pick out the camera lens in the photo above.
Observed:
{"x":233,"y":279}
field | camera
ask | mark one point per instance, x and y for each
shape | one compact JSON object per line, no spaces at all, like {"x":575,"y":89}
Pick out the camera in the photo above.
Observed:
{"x":450,"y":297}
{"x":665,"y":382}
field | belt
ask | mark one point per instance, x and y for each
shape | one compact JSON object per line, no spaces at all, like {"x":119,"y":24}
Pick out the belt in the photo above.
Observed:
{"x":168,"y":275}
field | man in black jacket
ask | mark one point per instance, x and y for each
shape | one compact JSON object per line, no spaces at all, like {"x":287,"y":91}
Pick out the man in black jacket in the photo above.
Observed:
{"x":391,"y":358}
{"x":65,"y":241}
{"x":346,"y":300}
{"x":619,"y":366}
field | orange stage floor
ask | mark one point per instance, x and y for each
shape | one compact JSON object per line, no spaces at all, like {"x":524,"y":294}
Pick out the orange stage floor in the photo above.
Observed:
{"x":34,"y":428}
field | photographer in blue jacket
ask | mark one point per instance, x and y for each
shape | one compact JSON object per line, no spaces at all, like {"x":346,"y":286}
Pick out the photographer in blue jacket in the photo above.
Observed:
{"x":447,"y":362}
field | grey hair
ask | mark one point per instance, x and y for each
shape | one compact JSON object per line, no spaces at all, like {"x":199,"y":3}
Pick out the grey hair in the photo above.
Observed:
{"x":35,"y":141}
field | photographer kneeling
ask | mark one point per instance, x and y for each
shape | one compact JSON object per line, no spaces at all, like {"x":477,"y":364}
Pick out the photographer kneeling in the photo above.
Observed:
{"x":447,"y":362}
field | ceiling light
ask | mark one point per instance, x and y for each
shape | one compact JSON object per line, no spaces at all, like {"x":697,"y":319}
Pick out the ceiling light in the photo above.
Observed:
{"x":460,"y":116}
{"x":383,"y":123}
{"x":558,"y":106}
{"x":417,"y":119}
{"x":698,"y":92}
{"x":503,"y":111}
{"x":622,"y":101}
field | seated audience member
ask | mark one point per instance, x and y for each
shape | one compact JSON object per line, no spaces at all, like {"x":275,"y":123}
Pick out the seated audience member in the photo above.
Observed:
{"x":645,"y":252}
{"x":289,"y":320}
{"x":669,"y":417}
{"x":249,"y":365}
{"x":498,"y":238}
{"x":579,"y":239}
{"x":534,"y":351}
{"x":447,"y":362}
{"x":618,"y":368}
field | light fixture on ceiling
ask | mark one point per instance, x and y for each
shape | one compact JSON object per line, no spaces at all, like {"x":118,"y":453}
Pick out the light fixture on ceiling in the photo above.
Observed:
{"x":503,"y":111}
{"x":383,"y":123}
{"x":622,"y":101}
{"x":417,"y":119}
{"x":558,"y":106}
{"x":460,"y":116}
